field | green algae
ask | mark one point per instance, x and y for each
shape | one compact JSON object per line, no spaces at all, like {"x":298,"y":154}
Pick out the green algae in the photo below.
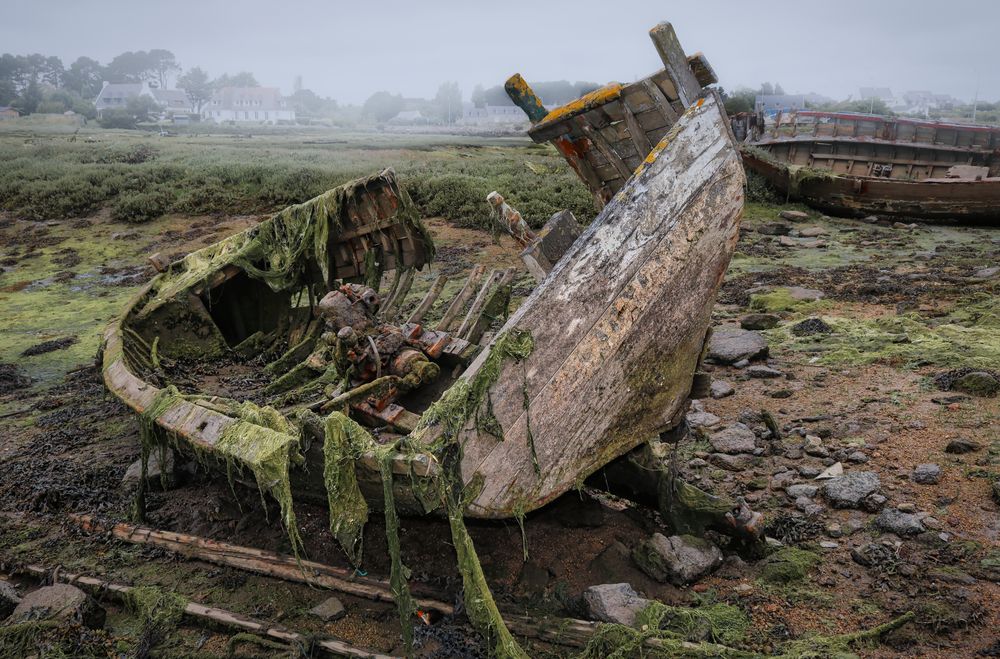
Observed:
{"x":158,"y":610}
{"x":780,"y":299}
{"x":788,"y":565}
{"x":969,"y":336}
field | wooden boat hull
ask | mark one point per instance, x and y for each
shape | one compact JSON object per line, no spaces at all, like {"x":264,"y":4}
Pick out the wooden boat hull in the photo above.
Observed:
{"x":957,"y":200}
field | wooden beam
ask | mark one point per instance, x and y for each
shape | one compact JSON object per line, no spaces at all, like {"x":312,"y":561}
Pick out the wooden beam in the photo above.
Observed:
{"x":526,"y":99}
{"x":496,"y":303}
{"x":635,"y":131}
{"x":200,"y":612}
{"x":428,"y":301}
{"x":702,"y":70}
{"x":463,"y":296}
{"x":392,"y":305}
{"x":477,"y":304}
{"x":257,"y":561}
{"x":675,"y":62}
{"x":661,"y":101}
{"x":602,"y":145}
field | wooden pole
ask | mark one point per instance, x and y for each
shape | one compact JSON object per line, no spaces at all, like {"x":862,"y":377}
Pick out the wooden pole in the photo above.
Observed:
{"x":223,"y":617}
{"x":675,"y":63}
{"x":526,"y":99}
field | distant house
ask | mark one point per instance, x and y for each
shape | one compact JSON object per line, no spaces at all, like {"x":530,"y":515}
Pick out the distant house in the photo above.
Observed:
{"x":261,"y":105}
{"x":772,"y":104}
{"x":7,"y":113}
{"x":492,"y":114}
{"x":116,"y":95}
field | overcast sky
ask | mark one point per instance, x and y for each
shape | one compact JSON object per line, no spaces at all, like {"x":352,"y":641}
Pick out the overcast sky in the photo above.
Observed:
{"x":347,"y":50}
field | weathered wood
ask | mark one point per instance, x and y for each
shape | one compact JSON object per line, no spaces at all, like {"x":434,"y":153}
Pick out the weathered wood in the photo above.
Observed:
{"x":675,"y":63}
{"x":477,"y":304}
{"x":618,"y":324}
{"x":391,"y":306}
{"x":463,"y":296}
{"x":661,"y":102}
{"x":525,"y":98}
{"x":602,"y":145}
{"x":702,"y":70}
{"x":429,"y":299}
{"x":200,"y":612}
{"x":257,"y":560}
{"x":496,"y":303}
{"x":635,"y":131}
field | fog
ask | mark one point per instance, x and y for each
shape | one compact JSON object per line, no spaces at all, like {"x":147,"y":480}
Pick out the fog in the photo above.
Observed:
{"x":348,"y":50}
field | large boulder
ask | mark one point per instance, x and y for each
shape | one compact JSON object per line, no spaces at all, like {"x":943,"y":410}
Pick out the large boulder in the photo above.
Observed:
{"x":732,"y":344}
{"x":614,"y":602}
{"x":737,"y":438}
{"x":679,"y":559}
{"x":849,"y":490}
{"x":61,"y":602}
{"x":977,"y":383}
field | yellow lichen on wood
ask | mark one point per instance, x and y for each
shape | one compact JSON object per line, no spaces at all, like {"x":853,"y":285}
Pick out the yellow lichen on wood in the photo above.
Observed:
{"x":594,"y":99}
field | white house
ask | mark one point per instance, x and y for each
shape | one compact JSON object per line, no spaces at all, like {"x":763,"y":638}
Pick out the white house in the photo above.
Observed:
{"x":116,"y":95}
{"x":261,"y":105}
{"x":492,"y":114}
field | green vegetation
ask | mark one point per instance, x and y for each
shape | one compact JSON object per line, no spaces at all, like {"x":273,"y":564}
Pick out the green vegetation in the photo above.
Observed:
{"x":788,"y":565}
{"x":49,"y":176}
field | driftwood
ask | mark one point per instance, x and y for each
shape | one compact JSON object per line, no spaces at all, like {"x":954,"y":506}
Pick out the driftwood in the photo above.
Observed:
{"x":200,"y":612}
{"x":257,"y":561}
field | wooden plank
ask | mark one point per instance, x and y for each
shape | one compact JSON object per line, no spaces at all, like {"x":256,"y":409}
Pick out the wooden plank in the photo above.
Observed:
{"x":463,"y":296}
{"x":702,"y":70}
{"x":428,"y":301}
{"x":477,"y":304}
{"x":675,"y":63}
{"x":602,"y":145}
{"x":496,"y":303}
{"x":661,"y":101}
{"x":636,"y":131}
{"x":605,"y":374}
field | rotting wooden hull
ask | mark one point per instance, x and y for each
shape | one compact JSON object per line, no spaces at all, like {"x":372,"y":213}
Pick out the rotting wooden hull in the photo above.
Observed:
{"x":956,"y":200}
{"x":618,"y":328}
{"x":618,"y":325}
{"x":850,"y":164}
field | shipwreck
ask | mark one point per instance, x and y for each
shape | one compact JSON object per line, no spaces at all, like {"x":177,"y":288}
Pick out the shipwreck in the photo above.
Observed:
{"x":345,"y":398}
{"x":859,"y":164}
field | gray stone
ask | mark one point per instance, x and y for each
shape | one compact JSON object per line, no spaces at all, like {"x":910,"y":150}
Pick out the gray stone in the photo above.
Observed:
{"x":802,"y":490}
{"x":873,"y":502}
{"x":896,"y":521}
{"x":721,"y":389}
{"x":737,"y":438}
{"x":834,"y":530}
{"x":774,"y":229}
{"x":833,"y":471}
{"x":812,"y":232}
{"x":857,"y":457}
{"x":988,"y":273}
{"x":848,"y":490}
{"x":702,"y":419}
{"x":157,"y":475}
{"x":60,"y":602}
{"x":814,"y":447}
{"x":9,"y":599}
{"x":329,"y":610}
{"x":805,"y":294}
{"x":697,"y":463}
{"x":794,"y":216}
{"x":926,"y":474}
{"x":743,"y":363}
{"x":732,"y":344}
{"x":788,"y":241}
{"x":763,"y":372}
{"x":731,"y":462}
{"x":977,"y":383}
{"x":961,"y":445}
{"x":759,"y":321}
{"x":679,"y":559}
{"x":614,"y":602}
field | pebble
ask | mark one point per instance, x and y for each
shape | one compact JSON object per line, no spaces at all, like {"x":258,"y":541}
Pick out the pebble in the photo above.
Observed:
{"x":721,"y":389}
{"x":927,"y":474}
{"x":762,"y":372}
{"x":802,"y":490}
{"x":827,"y":544}
{"x":857,"y":457}
{"x":834,"y":530}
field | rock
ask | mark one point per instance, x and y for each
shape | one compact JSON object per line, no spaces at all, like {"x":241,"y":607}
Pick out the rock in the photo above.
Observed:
{"x":961,"y":445}
{"x":977,"y":383}
{"x":732,"y":344}
{"x":800,"y":294}
{"x":811,"y":326}
{"x":802,"y":490}
{"x":329,"y":610}
{"x":896,"y":521}
{"x":60,"y":602}
{"x":814,"y":447}
{"x":833,"y":471}
{"x":857,"y":457}
{"x":736,"y":438}
{"x":794,"y":216}
{"x":616,"y":602}
{"x":9,"y":599}
{"x":788,"y":241}
{"x":157,"y":475}
{"x":813,"y":232}
{"x":759,"y":321}
{"x":987,"y":273}
{"x":721,"y":389}
{"x":731,"y":462}
{"x":774,"y":229}
{"x":834,"y":530}
{"x":849,"y":490}
{"x":339,"y":311}
{"x":743,"y":363}
{"x":827,"y":544}
{"x":697,"y":463}
{"x":926,"y":474}
{"x":743,"y":589}
{"x":907,"y":507}
{"x":763,"y":372}
{"x":679,"y":559}
{"x":873,"y":502}
{"x":702,"y":419}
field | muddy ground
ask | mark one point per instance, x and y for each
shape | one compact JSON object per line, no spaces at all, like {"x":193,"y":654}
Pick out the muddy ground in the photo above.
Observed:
{"x":862,"y":394}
